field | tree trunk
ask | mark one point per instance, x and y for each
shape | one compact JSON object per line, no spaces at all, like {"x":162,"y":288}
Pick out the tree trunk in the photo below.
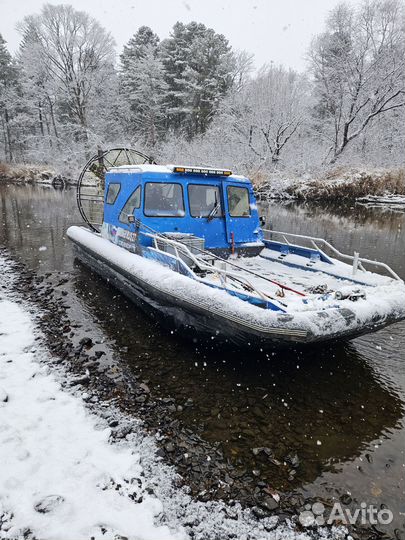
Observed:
{"x":9,"y":146}
{"x":41,"y":121}
{"x":53,"y":118}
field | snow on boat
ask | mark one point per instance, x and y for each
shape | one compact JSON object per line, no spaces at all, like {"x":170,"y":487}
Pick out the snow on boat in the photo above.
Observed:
{"x":187,"y":243}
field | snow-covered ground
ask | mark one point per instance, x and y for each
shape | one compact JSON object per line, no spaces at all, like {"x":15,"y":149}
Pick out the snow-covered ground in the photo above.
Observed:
{"x":61,"y":477}
{"x":58,"y":472}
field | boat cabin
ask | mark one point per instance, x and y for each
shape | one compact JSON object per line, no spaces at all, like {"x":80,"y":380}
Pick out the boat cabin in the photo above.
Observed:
{"x":213,"y":206}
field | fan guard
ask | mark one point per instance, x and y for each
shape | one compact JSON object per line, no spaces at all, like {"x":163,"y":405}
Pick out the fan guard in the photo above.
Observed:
{"x":90,"y":185}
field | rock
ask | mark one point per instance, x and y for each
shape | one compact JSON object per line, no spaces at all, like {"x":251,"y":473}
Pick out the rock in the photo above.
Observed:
{"x":293,"y":460}
{"x":169,"y":447}
{"x":113,"y":423}
{"x":3,"y":395}
{"x":86,"y":342}
{"x":269,"y":503}
{"x":189,"y":403}
{"x":98,"y":354}
{"x":145,"y":388}
{"x":48,"y":504}
{"x":345,"y":499}
{"x":262,"y":449}
{"x":260,"y":513}
{"x":84,"y":379}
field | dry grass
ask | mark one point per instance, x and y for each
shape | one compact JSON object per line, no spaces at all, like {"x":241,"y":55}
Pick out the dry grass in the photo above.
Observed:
{"x":4,"y":170}
{"x":259,"y":179}
{"x":25,"y":173}
{"x":342,"y":184}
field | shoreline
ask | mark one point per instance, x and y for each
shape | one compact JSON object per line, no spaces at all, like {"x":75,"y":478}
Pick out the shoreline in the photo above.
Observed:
{"x":32,"y":174}
{"x":94,"y":369}
{"x":345,"y":184}
{"x":108,"y":396}
{"x":338,"y":185}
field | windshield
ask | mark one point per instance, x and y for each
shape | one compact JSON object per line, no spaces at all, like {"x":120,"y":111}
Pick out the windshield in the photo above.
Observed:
{"x":205,"y":201}
{"x":238,"y":201}
{"x":163,"y":200}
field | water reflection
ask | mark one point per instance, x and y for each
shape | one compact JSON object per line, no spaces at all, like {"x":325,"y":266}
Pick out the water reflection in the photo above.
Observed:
{"x":33,"y":222}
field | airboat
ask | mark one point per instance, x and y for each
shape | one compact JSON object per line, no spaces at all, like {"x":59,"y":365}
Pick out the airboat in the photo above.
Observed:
{"x":187,"y":245}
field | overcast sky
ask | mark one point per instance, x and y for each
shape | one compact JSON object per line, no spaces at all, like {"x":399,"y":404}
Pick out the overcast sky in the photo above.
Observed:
{"x":273,"y":30}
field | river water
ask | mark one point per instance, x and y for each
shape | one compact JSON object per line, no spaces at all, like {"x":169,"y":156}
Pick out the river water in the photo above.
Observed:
{"x":339,"y":409}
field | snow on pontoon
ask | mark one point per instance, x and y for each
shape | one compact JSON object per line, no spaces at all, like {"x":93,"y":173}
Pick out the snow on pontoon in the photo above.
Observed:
{"x":187,"y":242}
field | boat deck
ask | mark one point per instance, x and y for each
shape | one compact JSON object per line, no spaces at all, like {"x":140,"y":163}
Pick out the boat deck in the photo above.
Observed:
{"x":310,"y":278}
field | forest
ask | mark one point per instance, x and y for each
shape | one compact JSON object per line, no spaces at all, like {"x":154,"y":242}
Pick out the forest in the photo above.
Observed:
{"x":192,"y":98}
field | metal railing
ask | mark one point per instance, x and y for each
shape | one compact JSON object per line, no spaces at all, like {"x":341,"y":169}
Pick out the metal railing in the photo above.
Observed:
{"x":356,"y":259}
{"x":223,"y":273}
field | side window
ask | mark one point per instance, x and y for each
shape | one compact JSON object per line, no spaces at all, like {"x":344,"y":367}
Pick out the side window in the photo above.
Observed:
{"x":163,"y":200}
{"x":238,"y":201}
{"x":133,"y":202}
{"x":112,"y":193}
{"x":205,"y":200}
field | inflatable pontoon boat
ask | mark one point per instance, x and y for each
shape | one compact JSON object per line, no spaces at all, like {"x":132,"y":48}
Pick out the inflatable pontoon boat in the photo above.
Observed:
{"x":187,"y":242}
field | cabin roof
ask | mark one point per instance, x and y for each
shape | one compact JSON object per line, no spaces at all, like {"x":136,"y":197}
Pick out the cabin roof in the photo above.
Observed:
{"x":167,"y":169}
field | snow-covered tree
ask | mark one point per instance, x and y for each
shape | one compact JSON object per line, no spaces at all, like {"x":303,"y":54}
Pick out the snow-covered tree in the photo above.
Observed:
{"x":198,"y":66}
{"x":359,"y":69}
{"x":138,"y":46}
{"x":144,"y":89}
{"x":76,"y":53}
{"x":8,"y":99}
{"x":242,"y":70}
{"x":263,"y":118}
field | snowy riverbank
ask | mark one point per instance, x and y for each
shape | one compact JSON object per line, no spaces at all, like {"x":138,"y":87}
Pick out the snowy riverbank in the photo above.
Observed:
{"x":60,"y":478}
{"x":335,"y":185}
{"x":31,"y":174}
{"x":63,"y":477}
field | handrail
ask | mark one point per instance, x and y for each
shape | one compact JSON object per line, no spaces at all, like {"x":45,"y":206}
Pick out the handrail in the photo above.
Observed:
{"x":178,"y":246}
{"x":354,"y":258}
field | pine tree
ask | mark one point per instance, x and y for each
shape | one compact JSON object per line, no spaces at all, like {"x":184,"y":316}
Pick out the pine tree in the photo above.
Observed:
{"x":198,"y":67}
{"x":143,"y":41}
{"x":8,"y":92}
{"x":143,"y":87}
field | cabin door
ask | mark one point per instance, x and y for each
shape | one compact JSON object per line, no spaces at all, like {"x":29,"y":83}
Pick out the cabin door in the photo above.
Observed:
{"x":238,"y":213}
{"x":207,"y":212}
